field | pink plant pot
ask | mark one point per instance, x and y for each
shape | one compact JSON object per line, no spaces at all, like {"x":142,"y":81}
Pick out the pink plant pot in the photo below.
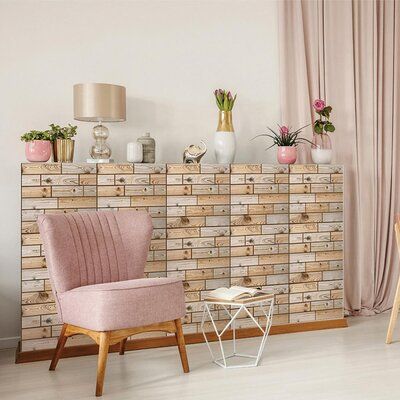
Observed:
{"x":287,"y":154}
{"x":38,"y":150}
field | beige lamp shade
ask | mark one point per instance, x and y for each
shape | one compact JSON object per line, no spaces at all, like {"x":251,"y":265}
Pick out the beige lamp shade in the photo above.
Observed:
{"x":99,"y":102}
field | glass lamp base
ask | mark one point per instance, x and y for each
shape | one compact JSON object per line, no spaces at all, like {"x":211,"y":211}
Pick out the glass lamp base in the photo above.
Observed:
{"x":100,"y":149}
{"x":99,"y":160}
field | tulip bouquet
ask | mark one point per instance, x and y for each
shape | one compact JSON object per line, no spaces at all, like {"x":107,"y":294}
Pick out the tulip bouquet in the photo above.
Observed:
{"x":225,"y":100}
{"x":285,"y":137}
{"x":322,"y":123}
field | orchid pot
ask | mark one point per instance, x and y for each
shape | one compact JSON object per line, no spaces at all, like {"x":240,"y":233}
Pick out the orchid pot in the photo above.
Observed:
{"x":287,"y":154}
{"x":287,"y":141}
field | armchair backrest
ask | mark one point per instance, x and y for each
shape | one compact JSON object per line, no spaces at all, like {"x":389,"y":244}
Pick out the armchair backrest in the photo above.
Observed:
{"x":86,"y":248}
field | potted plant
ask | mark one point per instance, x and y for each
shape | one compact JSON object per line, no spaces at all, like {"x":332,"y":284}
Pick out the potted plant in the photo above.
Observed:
{"x":287,"y":142}
{"x":225,"y":141}
{"x":37,"y":145}
{"x":321,"y":148}
{"x":63,"y":144}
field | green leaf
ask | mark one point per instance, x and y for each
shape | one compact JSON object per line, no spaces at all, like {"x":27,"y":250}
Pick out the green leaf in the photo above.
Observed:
{"x":329,"y":127}
{"x":35,"y":135}
{"x":318,"y":126}
{"x":226,"y":103}
{"x":232,"y":103}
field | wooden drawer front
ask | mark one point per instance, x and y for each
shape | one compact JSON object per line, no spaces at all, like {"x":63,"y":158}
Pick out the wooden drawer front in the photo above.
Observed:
{"x":316,"y":243}
{"x":46,"y":188}
{"x":198,"y":229}
{"x":260,"y":233}
{"x":275,"y":226}
{"x":138,"y":187}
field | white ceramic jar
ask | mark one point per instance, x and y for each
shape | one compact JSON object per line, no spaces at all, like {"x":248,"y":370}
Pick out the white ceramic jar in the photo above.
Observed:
{"x":134,"y":152}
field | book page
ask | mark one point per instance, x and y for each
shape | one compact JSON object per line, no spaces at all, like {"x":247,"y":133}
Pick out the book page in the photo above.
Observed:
{"x":234,"y":292}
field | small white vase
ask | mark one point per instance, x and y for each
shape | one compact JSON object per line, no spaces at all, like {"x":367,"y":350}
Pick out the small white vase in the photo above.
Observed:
{"x":224,"y":139}
{"x":321,"y":156}
{"x":321,"y":149}
{"x":134,"y":152}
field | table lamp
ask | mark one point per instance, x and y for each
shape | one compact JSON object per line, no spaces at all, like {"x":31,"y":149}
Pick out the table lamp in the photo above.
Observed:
{"x":100,"y":102}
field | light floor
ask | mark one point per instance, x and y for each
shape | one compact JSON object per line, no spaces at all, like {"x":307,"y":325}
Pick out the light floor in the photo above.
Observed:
{"x":352,"y":363}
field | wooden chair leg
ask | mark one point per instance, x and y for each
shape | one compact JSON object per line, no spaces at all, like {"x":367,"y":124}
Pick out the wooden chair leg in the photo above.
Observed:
{"x":122,"y":347}
{"x":104,"y":344}
{"x":60,"y":346}
{"x":181,"y":345}
{"x":393,"y":316}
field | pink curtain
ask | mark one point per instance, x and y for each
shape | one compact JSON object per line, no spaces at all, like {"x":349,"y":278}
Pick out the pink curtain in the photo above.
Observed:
{"x":348,"y":53}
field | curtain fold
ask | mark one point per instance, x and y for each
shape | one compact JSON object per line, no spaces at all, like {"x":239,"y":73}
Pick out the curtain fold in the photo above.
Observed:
{"x":347,"y":52}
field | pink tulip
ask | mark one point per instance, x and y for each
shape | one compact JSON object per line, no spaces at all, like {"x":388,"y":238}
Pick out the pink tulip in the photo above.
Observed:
{"x":319,"y":105}
{"x":284,"y":130}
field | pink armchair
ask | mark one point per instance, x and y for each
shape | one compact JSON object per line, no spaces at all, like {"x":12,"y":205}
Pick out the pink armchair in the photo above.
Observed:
{"x":96,"y":265}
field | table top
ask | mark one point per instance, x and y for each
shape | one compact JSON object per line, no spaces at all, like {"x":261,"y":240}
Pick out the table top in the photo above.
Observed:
{"x":246,"y":301}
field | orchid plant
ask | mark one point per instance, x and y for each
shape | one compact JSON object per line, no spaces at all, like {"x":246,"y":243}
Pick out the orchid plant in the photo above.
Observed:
{"x":284,"y":137}
{"x":225,"y":100}
{"x":322,"y":123}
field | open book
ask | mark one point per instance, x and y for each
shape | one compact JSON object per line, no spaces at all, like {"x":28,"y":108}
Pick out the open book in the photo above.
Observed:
{"x":235,"y":293}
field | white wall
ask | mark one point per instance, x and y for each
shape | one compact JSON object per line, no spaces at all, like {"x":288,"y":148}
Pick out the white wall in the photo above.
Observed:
{"x":170,"y":55}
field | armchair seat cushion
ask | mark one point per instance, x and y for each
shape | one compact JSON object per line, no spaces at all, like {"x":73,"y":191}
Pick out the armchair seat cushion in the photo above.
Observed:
{"x":123,"y":304}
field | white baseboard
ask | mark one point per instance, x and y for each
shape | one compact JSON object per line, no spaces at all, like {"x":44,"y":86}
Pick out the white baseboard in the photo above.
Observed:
{"x":9,"y":342}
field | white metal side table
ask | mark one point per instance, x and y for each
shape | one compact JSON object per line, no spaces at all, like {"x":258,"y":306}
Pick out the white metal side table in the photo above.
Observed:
{"x":233,"y":310}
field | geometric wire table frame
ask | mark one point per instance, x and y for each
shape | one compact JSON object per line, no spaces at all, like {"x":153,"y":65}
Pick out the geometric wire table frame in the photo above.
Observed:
{"x":232,"y":322}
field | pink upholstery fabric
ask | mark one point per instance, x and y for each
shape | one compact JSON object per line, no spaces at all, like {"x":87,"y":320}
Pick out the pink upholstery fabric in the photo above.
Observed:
{"x":95,"y":262}
{"x":86,"y":248}
{"x":124,"y":304}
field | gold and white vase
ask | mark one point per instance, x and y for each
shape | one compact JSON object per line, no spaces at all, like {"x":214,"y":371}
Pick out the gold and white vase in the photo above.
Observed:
{"x":225,"y":140}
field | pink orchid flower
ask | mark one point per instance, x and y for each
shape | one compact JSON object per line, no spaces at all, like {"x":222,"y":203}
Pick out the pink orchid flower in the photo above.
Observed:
{"x":319,"y":105}
{"x":284,"y":130}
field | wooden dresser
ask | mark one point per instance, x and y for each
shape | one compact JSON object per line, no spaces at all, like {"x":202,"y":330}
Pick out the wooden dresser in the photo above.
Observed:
{"x":273,"y":226}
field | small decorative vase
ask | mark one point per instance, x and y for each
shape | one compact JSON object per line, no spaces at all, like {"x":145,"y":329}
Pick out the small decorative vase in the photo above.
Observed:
{"x":149,"y":148}
{"x":321,"y":149}
{"x":63,"y":150}
{"x":225,"y":140}
{"x":287,"y":154}
{"x":134,"y":152}
{"x":38,"y":150}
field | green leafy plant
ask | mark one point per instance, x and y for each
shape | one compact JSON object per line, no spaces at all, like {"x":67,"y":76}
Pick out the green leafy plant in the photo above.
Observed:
{"x":35,"y":135}
{"x":225,"y":100}
{"x":62,"y":132}
{"x":285,"y":137}
{"x":322,"y":123}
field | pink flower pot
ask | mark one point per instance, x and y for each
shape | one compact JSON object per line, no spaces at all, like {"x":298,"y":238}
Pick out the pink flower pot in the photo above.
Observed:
{"x":38,"y":150}
{"x":287,"y":154}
